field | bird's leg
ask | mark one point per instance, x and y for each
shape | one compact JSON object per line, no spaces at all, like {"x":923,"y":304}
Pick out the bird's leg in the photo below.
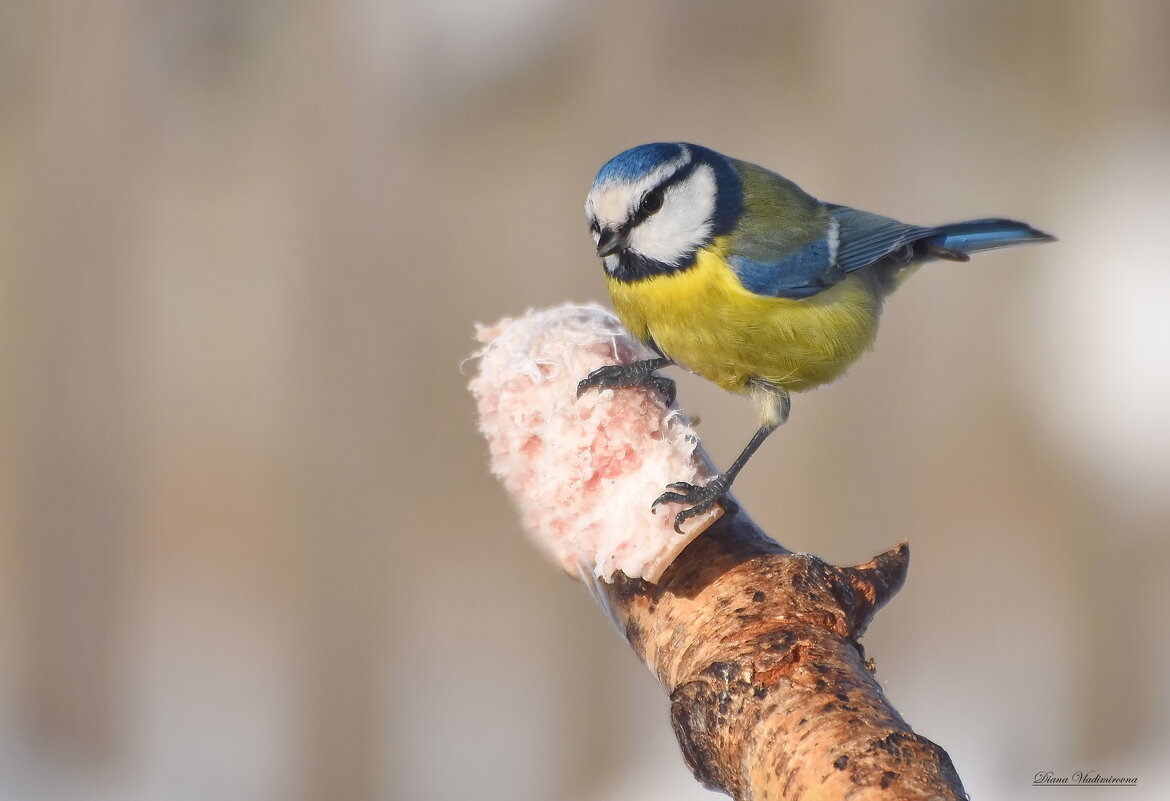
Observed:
{"x":702,"y":498}
{"x":634,"y":374}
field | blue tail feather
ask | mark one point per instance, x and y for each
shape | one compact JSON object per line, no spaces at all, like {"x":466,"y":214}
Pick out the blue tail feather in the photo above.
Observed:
{"x":976,"y":235}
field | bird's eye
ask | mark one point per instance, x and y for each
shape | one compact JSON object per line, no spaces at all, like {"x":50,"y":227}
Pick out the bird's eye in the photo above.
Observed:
{"x":594,"y":227}
{"x":652,"y":202}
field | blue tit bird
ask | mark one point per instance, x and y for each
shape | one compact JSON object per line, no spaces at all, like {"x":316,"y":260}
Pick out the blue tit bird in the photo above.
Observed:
{"x":733,"y":272}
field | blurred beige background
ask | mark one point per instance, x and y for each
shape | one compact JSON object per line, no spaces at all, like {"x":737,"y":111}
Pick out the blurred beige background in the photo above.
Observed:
{"x":249,"y":544}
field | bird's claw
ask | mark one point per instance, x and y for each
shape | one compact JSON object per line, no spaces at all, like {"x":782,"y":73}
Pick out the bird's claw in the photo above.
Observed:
{"x":700,"y":497}
{"x":617,"y":376}
{"x":664,"y":387}
{"x":591,"y":381}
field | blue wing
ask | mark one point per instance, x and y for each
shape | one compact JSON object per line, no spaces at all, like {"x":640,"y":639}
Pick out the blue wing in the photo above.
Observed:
{"x":794,"y":275}
{"x":860,"y":239}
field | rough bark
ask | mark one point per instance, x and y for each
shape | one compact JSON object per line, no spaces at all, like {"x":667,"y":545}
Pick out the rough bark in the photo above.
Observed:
{"x":772,"y":696}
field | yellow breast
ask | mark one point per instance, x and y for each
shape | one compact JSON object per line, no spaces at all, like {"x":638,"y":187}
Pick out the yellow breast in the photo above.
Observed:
{"x":704,"y":320}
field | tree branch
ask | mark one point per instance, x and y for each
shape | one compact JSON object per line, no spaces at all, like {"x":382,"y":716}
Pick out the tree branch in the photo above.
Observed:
{"x":772,"y":697}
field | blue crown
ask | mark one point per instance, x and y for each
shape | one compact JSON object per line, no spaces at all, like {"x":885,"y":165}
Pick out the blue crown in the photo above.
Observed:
{"x":638,"y":161}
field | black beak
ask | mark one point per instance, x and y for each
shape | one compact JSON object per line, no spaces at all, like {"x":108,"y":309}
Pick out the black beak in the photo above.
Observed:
{"x":610,"y":242}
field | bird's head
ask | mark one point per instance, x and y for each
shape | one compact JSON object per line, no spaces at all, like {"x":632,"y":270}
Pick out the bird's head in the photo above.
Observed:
{"x":654,"y":206}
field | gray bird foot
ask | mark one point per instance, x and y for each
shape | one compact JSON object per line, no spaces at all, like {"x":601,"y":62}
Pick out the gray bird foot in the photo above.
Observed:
{"x":700,"y":498}
{"x":635,"y":374}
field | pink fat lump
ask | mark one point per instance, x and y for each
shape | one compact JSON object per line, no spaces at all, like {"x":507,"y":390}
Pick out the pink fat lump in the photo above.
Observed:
{"x":584,"y":471}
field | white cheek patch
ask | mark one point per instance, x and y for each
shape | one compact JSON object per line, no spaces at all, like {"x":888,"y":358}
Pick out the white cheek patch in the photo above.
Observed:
{"x":684,"y":223}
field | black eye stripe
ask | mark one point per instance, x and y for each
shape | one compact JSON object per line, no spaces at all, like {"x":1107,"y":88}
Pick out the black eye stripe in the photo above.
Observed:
{"x":675,"y":177}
